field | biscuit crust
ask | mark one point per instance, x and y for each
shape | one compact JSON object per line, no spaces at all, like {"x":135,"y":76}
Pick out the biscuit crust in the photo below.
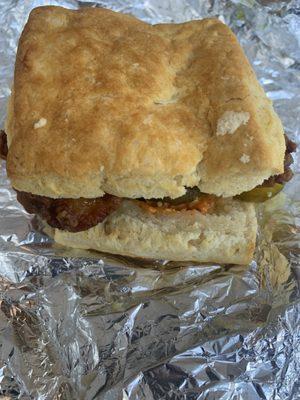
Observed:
{"x":103,"y":102}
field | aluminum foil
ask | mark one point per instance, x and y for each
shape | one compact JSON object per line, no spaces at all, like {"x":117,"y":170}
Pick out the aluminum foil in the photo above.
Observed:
{"x":83,"y":325}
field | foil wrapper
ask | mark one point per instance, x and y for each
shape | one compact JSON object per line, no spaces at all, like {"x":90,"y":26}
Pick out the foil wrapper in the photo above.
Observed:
{"x":83,"y":325}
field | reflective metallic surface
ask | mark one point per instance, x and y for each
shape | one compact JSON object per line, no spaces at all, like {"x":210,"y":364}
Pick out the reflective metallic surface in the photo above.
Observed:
{"x":83,"y":325}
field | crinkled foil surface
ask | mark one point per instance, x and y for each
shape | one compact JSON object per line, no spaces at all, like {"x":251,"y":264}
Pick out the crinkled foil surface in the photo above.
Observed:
{"x":82,"y":325}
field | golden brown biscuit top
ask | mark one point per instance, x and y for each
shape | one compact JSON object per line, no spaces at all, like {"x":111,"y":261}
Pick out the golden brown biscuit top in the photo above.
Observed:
{"x":104,"y":102}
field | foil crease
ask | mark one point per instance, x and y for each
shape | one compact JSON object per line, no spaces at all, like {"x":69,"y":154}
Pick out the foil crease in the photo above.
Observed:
{"x":84,"y":325}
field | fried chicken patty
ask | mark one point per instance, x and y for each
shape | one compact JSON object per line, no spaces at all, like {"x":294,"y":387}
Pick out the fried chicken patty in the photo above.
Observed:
{"x":3,"y":145}
{"x":73,"y":215}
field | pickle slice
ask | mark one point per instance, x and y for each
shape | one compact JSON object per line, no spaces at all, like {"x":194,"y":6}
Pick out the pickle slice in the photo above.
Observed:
{"x":261,"y":193}
{"x":190,"y":195}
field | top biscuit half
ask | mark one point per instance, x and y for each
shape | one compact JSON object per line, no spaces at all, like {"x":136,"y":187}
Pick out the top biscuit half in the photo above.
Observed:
{"x":105,"y":103}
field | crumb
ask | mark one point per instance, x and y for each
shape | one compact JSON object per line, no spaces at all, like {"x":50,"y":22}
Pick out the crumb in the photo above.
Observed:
{"x":40,"y":123}
{"x":245,"y":158}
{"x":230,"y":121}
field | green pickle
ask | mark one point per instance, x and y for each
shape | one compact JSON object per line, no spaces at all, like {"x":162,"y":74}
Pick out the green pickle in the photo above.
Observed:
{"x":261,"y":193}
{"x":190,"y":195}
{"x":256,"y":195}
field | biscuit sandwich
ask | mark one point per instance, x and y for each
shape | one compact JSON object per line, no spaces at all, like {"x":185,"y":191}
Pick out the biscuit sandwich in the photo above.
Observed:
{"x":141,"y":140}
